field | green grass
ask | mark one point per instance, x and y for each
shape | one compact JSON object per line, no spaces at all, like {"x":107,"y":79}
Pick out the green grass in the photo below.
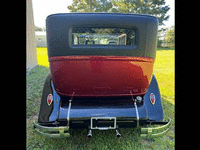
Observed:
{"x":42,"y":56}
{"x":164,"y":71}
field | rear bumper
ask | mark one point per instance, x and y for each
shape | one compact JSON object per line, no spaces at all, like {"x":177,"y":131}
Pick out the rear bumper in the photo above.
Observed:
{"x":156,"y":131}
{"x":53,"y":132}
{"x":63,"y":131}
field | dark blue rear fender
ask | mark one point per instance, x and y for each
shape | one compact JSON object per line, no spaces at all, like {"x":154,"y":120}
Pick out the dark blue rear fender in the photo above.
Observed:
{"x":147,"y":111}
{"x":154,"y":112}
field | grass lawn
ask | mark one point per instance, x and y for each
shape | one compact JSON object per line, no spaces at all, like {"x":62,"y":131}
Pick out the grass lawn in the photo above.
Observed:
{"x":164,"y":71}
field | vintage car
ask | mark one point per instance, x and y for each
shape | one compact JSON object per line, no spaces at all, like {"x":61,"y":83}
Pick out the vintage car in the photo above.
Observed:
{"x":101,"y":75}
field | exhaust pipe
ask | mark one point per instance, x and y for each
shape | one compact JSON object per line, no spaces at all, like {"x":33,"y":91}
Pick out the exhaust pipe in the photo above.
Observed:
{"x":89,"y":133}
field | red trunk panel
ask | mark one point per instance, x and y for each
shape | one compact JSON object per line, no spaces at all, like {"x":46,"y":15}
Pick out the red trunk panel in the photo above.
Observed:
{"x":101,"y":75}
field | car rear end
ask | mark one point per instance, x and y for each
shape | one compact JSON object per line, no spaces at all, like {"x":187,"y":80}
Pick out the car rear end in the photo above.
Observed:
{"x":101,"y":74}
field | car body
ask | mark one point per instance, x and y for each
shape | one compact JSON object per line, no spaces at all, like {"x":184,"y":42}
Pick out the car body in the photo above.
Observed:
{"x":101,"y":74}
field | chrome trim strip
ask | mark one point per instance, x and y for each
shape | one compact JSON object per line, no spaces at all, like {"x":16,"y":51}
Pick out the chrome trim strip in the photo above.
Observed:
{"x":69,"y":109}
{"x":137,"y":114}
{"x":136,"y":109}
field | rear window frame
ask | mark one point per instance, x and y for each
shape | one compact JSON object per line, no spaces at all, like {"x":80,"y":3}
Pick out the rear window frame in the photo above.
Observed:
{"x":103,"y":45}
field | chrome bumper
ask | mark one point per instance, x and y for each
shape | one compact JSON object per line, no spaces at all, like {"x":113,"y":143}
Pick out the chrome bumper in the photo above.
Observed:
{"x":53,"y":132}
{"x":62,"y":131}
{"x":156,"y":131}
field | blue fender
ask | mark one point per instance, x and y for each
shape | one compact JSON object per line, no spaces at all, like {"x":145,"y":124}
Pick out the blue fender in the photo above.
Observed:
{"x":154,"y":112}
{"x":56,"y":106}
{"x":147,"y":111}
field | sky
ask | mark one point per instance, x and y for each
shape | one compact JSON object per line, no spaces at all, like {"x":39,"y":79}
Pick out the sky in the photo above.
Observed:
{"x":43,"y":8}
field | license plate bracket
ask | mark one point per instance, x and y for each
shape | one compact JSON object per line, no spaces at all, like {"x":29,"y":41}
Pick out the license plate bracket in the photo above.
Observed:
{"x":103,"y":123}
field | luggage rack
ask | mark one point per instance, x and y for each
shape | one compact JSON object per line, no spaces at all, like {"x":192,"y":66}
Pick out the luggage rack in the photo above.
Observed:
{"x":103,"y":123}
{"x":102,"y":118}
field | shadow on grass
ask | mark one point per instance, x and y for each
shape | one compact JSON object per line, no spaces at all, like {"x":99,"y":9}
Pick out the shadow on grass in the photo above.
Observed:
{"x":34,"y":86}
{"x":164,"y":49}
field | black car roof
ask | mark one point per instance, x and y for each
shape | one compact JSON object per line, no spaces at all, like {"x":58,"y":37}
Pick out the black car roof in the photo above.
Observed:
{"x":102,"y":13}
{"x":59,"y":29}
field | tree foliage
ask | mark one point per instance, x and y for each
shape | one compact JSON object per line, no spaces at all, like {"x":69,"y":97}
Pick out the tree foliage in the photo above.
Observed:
{"x":170,"y":37}
{"x":156,"y":8}
{"x":160,"y":36}
{"x":38,"y":28}
{"x":90,"y":6}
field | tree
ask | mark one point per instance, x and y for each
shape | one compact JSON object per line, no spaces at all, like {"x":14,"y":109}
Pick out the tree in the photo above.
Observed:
{"x":161,"y":36}
{"x":38,"y":28}
{"x":170,"y":37}
{"x":90,"y":6}
{"x":156,"y":8}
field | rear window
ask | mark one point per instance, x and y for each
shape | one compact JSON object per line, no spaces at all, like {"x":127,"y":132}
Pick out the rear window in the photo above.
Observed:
{"x":103,"y":36}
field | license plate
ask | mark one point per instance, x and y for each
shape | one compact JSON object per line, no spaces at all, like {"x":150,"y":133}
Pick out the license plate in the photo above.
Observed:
{"x":103,"y":123}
